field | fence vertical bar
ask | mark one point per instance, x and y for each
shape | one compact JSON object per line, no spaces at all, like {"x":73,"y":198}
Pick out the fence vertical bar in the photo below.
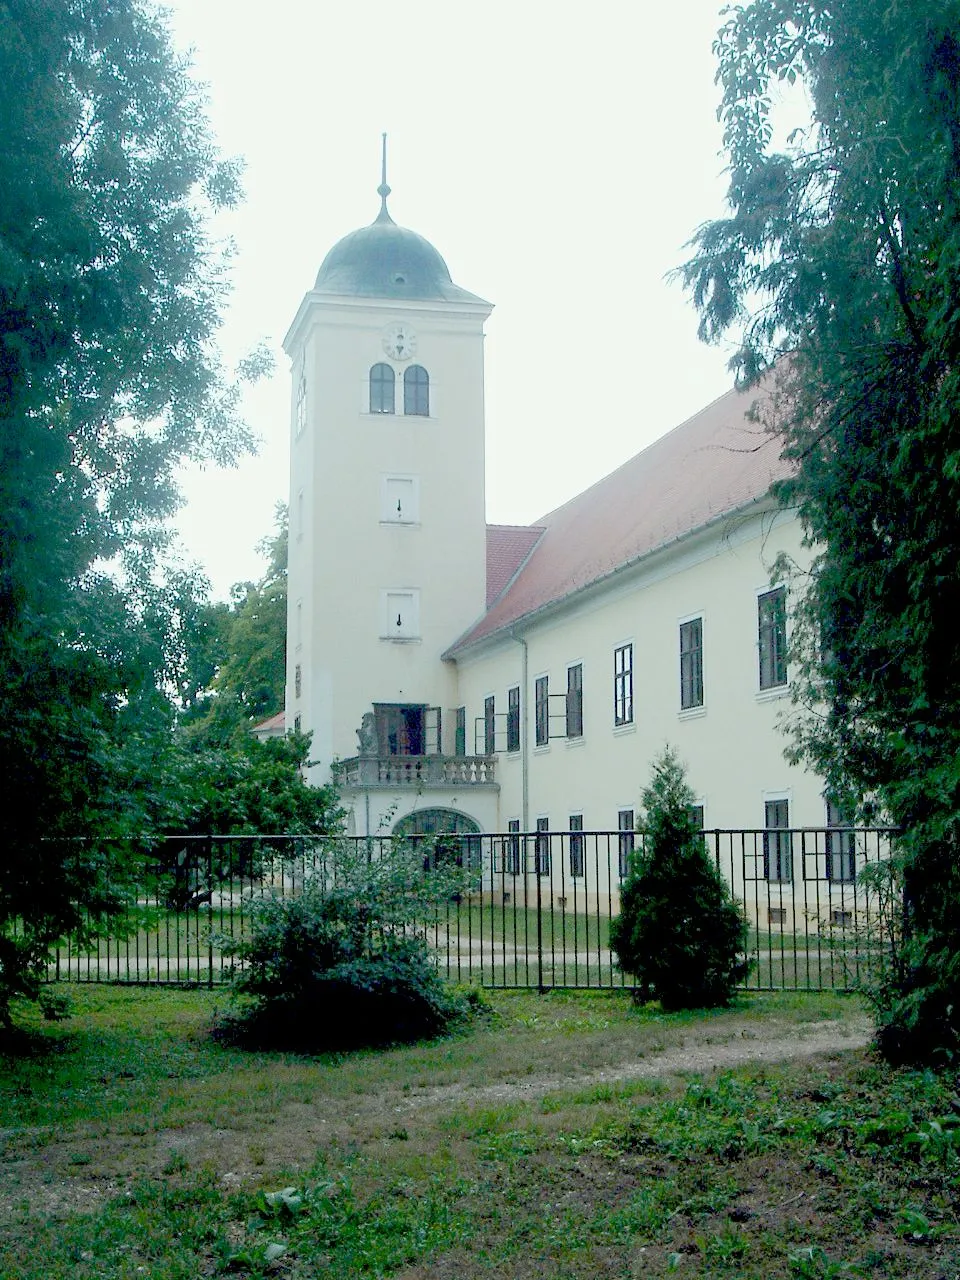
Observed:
{"x":538,"y":869}
{"x":209,"y":930}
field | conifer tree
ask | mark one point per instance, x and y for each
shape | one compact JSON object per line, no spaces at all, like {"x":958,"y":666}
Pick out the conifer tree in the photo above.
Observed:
{"x":679,"y":935}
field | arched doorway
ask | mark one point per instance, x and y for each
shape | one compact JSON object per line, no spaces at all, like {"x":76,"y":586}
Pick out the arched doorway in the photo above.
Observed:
{"x":445,"y":835}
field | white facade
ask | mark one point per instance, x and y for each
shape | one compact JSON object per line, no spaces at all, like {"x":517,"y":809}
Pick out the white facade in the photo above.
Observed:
{"x":387,"y":539}
{"x":731,"y":742}
{"x":651,"y":594}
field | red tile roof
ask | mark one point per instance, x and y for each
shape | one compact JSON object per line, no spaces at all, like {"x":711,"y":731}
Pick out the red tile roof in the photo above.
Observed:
{"x":273,"y":724}
{"x":715,"y":463}
{"x":508,"y":546}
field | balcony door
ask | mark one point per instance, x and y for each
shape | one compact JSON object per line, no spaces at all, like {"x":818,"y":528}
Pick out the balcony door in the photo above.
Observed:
{"x":407,"y":729}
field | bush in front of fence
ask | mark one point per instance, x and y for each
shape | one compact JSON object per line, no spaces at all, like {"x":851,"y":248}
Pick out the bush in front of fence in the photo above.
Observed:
{"x":679,"y":935}
{"x":344,"y":962}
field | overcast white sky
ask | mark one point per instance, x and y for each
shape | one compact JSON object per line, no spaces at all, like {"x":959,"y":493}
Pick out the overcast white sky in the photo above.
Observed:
{"x":558,"y":156}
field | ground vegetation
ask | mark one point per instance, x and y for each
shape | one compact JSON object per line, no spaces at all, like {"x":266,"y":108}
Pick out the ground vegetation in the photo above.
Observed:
{"x":573,"y":1134}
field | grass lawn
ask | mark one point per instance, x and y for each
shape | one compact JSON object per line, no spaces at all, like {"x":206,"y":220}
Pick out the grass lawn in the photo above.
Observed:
{"x":532,"y":1144}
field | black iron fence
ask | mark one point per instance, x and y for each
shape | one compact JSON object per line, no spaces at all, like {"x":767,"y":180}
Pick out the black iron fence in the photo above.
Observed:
{"x":534,"y":908}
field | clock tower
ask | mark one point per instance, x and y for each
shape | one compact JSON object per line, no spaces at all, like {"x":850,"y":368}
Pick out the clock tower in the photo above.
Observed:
{"x":387,"y":561}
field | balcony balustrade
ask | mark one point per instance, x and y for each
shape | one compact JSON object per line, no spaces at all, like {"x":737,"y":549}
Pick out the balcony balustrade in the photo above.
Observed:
{"x":416,"y":771}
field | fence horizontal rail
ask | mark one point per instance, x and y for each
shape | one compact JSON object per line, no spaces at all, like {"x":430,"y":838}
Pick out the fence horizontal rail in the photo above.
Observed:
{"x":534,"y":911}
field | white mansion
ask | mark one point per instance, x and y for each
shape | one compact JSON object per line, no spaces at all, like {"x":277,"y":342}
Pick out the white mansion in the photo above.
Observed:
{"x":494,"y":678}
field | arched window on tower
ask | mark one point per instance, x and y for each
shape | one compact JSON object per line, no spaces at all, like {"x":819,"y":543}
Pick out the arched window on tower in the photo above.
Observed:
{"x":382,"y":389}
{"x":416,"y":391}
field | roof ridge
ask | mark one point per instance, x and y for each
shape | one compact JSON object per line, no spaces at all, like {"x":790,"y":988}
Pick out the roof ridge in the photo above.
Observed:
{"x":653,"y":444}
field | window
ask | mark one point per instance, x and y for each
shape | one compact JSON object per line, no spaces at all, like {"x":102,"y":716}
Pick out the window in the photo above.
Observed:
{"x":489,"y":725}
{"x":623,"y":685}
{"x":301,"y":409}
{"x":512,"y":852}
{"x":841,"y":847}
{"x":576,"y":844}
{"x":399,"y":499}
{"x":460,"y":732}
{"x":625,"y":822}
{"x":513,"y":718}
{"x":400,"y":615}
{"x":541,"y":697}
{"x":300,"y":517}
{"x":541,"y":848}
{"x":777,"y":842}
{"x":416,"y":392}
{"x":297,"y":723}
{"x":575,"y":701}
{"x":382,"y":389}
{"x":772,"y":627}
{"x":297,"y":680}
{"x":691,"y":664}
{"x":696,"y":815}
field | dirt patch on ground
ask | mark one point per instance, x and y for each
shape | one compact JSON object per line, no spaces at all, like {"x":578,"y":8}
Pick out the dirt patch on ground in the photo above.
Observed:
{"x":699,"y":1053}
{"x":44,"y":1172}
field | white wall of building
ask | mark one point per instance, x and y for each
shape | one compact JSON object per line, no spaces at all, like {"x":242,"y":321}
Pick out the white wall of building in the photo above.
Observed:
{"x":349,"y":565}
{"x":732,"y":745}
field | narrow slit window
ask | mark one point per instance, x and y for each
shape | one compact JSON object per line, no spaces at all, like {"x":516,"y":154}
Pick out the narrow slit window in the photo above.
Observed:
{"x":777,"y":842}
{"x":576,"y":844}
{"x":772,"y":637}
{"x":489,"y":725}
{"x":513,"y":718}
{"x":541,"y":848}
{"x":623,"y":685}
{"x":541,"y":695}
{"x":841,"y":847}
{"x":691,"y":664}
{"x":575,"y":701}
{"x":626,"y":840}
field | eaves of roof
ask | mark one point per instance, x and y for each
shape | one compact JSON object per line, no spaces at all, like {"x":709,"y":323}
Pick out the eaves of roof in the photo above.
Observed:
{"x":471,"y":642}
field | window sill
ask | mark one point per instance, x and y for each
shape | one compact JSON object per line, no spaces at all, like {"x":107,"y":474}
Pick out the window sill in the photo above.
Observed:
{"x":513,"y":755}
{"x":541,"y":750}
{"x":399,"y":524}
{"x":691,"y":713}
{"x":399,"y":417}
{"x":401,"y":639}
{"x":773,"y":694}
{"x":574,"y":742}
{"x":619,"y":730}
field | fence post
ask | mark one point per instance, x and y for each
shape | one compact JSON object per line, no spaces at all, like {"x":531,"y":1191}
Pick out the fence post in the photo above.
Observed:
{"x":538,"y":866}
{"x":210,"y":920}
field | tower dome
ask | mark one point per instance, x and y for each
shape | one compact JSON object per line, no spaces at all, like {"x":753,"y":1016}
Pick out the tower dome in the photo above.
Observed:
{"x":384,"y":260}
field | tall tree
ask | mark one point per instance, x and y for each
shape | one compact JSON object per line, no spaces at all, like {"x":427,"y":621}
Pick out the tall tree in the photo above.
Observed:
{"x":842,"y":253}
{"x":110,"y":293}
{"x":233,"y":657}
{"x":215,"y":776}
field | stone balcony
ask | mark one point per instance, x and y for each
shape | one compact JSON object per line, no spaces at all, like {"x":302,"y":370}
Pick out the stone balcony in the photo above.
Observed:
{"x":416,"y":771}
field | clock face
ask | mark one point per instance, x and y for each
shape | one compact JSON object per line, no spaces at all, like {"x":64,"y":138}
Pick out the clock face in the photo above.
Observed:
{"x":399,"y":342}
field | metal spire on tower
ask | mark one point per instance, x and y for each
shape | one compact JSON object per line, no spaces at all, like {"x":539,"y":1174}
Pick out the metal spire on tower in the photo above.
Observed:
{"x":383,"y":190}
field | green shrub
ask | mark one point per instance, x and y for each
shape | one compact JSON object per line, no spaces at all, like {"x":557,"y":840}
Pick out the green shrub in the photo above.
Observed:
{"x":913,"y":980}
{"x":345,"y":962}
{"x":679,"y":934}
